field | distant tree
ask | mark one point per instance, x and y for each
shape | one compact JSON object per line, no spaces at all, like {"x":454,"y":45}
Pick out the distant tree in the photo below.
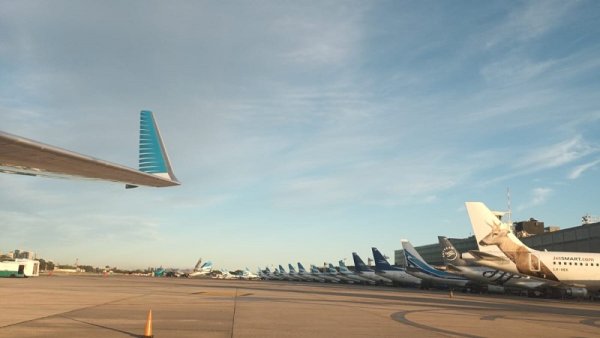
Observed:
{"x":49,"y":266}
{"x":42,"y":264}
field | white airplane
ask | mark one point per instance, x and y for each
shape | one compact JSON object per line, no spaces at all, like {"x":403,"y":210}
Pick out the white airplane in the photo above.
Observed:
{"x":327,"y":277}
{"x":286,"y":275}
{"x":394,"y":273}
{"x":203,"y":271}
{"x":332,"y":271}
{"x":225,"y":274}
{"x":495,"y":279}
{"x":294,"y":275}
{"x":499,"y":248}
{"x":416,"y":266}
{"x":363,"y":270}
{"x":344,"y":271}
{"x":247,"y":274}
{"x":19,"y":155}
{"x":307,"y":276}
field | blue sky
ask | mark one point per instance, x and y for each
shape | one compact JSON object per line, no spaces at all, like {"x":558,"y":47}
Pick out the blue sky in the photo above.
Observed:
{"x":302,"y":131}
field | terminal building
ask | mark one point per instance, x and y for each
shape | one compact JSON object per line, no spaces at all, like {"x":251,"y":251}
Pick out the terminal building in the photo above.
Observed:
{"x":583,"y":238}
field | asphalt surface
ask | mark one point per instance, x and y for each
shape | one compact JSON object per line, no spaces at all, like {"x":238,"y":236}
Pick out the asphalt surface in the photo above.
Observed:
{"x":117,"y":306}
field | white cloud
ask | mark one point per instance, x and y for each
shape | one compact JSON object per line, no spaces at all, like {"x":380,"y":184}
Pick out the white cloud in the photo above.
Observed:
{"x":556,"y":154}
{"x":531,"y":21}
{"x":539,"y":196}
{"x":580,"y":169}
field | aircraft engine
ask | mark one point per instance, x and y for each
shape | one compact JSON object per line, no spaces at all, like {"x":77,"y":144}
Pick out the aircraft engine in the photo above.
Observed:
{"x":576,"y":292}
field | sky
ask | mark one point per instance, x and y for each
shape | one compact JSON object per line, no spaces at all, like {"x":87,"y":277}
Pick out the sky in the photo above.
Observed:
{"x":300,"y":130}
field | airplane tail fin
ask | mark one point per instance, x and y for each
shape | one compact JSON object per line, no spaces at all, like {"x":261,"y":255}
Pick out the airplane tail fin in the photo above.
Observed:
{"x":208,"y":266}
{"x":413,"y":259}
{"x":153,"y":154}
{"x":380,"y":262}
{"x":281,"y":269}
{"x":450,"y":255}
{"x":314,"y":269}
{"x":291,"y":268}
{"x":301,"y":268}
{"x":332,"y":268}
{"x":486,"y":223}
{"x":198,"y":264}
{"x":359,"y":265}
{"x":343,"y":267}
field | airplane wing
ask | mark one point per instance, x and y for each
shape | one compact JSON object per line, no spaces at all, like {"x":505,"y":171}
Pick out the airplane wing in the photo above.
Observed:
{"x":19,"y":155}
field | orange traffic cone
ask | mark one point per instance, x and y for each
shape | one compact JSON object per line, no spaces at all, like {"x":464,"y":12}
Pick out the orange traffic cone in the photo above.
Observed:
{"x":148,"y":328}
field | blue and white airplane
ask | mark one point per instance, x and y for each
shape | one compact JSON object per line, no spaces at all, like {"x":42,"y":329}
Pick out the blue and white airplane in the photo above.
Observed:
{"x":19,"y":155}
{"x":394,"y":273}
{"x":308,"y":276}
{"x":496,"y":280}
{"x":203,"y":271}
{"x":416,"y":266}
{"x":293,"y":274}
{"x":344,"y":271}
{"x":363,"y":270}
{"x":325,"y":276}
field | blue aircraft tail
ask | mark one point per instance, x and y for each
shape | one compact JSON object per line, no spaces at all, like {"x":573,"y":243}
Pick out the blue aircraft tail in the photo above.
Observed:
{"x":301,"y":268}
{"x":359,"y":265}
{"x":380,"y":262}
{"x":291,"y":268}
{"x":153,"y":154}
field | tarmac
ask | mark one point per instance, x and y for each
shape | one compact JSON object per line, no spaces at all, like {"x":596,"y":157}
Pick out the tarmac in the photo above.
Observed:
{"x":117,"y":306}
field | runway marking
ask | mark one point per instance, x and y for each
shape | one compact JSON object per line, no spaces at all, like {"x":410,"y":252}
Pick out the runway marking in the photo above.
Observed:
{"x":102,"y":326}
{"x":401,"y":318}
{"x":234,"y":308}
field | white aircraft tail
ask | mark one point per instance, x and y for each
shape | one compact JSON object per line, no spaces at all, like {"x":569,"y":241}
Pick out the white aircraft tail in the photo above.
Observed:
{"x":490,"y":232}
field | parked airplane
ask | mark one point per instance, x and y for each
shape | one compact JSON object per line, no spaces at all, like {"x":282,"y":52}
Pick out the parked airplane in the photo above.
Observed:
{"x":293,"y":274}
{"x":19,"y":155}
{"x":287,"y":275}
{"x":363,"y":270}
{"x":577,"y":272}
{"x":394,"y":273}
{"x":332,"y":271}
{"x":308,"y":276}
{"x":225,"y":274}
{"x":344,"y":271}
{"x":416,"y":266}
{"x":247,"y":274}
{"x":496,"y":279}
{"x":325,"y":276}
{"x":203,"y":271}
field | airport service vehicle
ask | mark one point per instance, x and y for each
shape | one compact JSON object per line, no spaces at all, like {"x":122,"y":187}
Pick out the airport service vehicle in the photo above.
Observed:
{"x":496,"y":280}
{"x":19,"y":155}
{"x":364,"y":271}
{"x":575,"y":272}
{"x":416,"y":266}
{"x":393,"y":273}
{"x":20,"y":268}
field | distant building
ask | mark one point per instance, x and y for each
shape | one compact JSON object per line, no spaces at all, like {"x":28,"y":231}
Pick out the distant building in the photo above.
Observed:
{"x":583,"y":238}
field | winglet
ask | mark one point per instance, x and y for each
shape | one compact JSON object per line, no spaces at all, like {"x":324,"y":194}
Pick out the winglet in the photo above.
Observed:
{"x":153,"y":154}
